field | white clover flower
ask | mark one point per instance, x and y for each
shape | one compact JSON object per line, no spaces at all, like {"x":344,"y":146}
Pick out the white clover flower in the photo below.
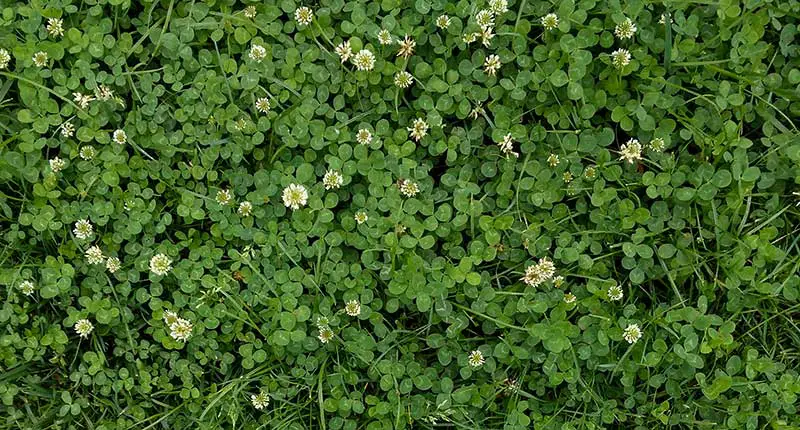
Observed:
{"x":40,"y":59}
{"x":567,"y":177}
{"x":361,"y":217}
{"x":443,"y":22}
{"x":170,"y":317}
{"x":83,"y":229}
{"x":631,"y":151}
{"x":553,"y":160}
{"x":82,"y":100}
{"x":119,"y":137}
{"x":615,"y":293}
{"x":344,"y":51}
{"x":113,"y":264}
{"x":590,"y":172}
{"x":160,"y":264}
{"x":27,"y":287}
{"x":364,"y":137}
{"x":507,"y":146}
{"x":492,"y":64}
{"x":181,"y":329}
{"x":558,"y":281}
{"x":94,"y":255}
{"x":303,"y":15}
{"x":550,"y":21}
{"x":364,"y":60}
{"x":5,"y":58}
{"x":352,"y":308}
{"x":250,"y":12}
{"x":57,"y":164}
{"x":484,"y":18}
{"x":87,"y":152}
{"x":224,"y":197}
{"x":657,"y":144}
{"x":487,"y":34}
{"x":407,"y":46}
{"x":409,"y":188}
{"x":403,"y":79}
{"x":295,"y":196}
{"x":475,"y":359}
{"x":104,"y":93}
{"x":384,"y":37}
{"x":83,"y":327}
{"x":569,"y":298}
{"x":620,"y":58}
{"x":470,"y":37}
{"x":632,"y":333}
{"x":332,"y":179}
{"x":55,"y":27}
{"x":664,"y":18}
{"x":257,"y":53}
{"x":245,"y":209}
{"x":537,"y":274}
{"x":325,"y":334}
{"x":260,"y":400}
{"x":477,"y":111}
{"x":322,"y":321}
{"x":625,"y":29}
{"x":498,"y":6}
{"x":418,"y":129}
{"x":262,"y":105}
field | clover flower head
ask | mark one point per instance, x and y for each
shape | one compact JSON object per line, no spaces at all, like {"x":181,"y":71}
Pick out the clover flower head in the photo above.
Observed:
{"x":364,"y":60}
{"x":260,"y":400}
{"x":94,"y":255}
{"x":409,"y":188}
{"x":352,"y":308}
{"x":181,"y":329}
{"x":665,"y":17}
{"x":170,"y":317}
{"x":443,"y":22}
{"x":470,"y":37}
{"x":553,"y":160}
{"x":322,"y":321}
{"x":344,"y":51}
{"x":407,"y":46}
{"x":5,"y":58}
{"x":632,"y":333}
{"x":55,"y":27}
{"x":361,"y":217}
{"x":27,"y":287}
{"x":486,"y":34}
{"x":498,"y":6}
{"x":224,"y":197}
{"x":403,"y":79}
{"x":257,"y":53}
{"x":83,"y":229}
{"x":558,"y":281}
{"x":475,"y":359}
{"x":621,"y":58}
{"x":507,"y":146}
{"x":484,"y":18}
{"x":120,"y":137}
{"x":631,"y":151}
{"x":250,"y":12}
{"x":477,"y":111}
{"x":295,"y":196}
{"x":332,"y":179}
{"x":83,"y":327}
{"x":492,"y":64}
{"x":590,"y":172}
{"x":625,"y":29}
{"x":113,"y":264}
{"x":57,"y":164}
{"x":418,"y":129}
{"x":160,"y":264}
{"x":569,"y":298}
{"x":537,"y":274}
{"x":104,"y":93}
{"x":363,"y":136}
{"x":567,"y":177}
{"x":657,"y":144}
{"x":88,"y":152}
{"x":304,"y":15}
{"x":40,"y":59}
{"x":245,"y":209}
{"x":615,"y":293}
{"x":384,"y":37}
{"x":82,"y":100}
{"x":550,"y":21}
{"x":325,"y":334}
{"x":262,"y":105}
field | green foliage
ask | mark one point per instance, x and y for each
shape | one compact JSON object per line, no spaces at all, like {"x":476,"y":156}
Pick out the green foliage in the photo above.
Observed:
{"x":409,"y":286}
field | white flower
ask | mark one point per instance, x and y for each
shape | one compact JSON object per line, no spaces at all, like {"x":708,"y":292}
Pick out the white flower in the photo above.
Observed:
{"x":5,"y":58}
{"x":104,"y":93}
{"x":94,"y":255}
{"x":332,"y":179}
{"x":361,"y":217}
{"x":550,"y":21}
{"x":257,"y":53}
{"x":262,"y":105}
{"x":83,"y":327}
{"x":664,"y":17}
{"x":224,"y":197}
{"x":486,"y":34}
{"x":67,"y":129}
{"x":620,"y":58}
{"x":484,"y":18}
{"x":384,"y":37}
{"x":475,"y":359}
{"x":83,"y":229}
{"x":40,"y":59}
{"x":443,"y":22}
{"x":364,"y":60}
{"x":507,"y":146}
{"x":82,"y":100}
{"x":498,"y":6}
{"x":403,"y":79}
{"x":418,"y":129}
{"x":657,"y":144}
{"x":352,"y":308}
{"x":569,"y":298}
{"x":615,"y":293}
{"x":27,"y":287}
{"x":470,"y":37}
{"x":87,"y":152}
{"x":631,"y":151}
{"x":409,"y":188}
{"x":260,"y":400}
{"x":344,"y":51}
{"x":491,"y":64}
{"x":632,"y":333}
{"x":537,"y":274}
{"x":558,"y":281}
{"x":325,"y":334}
{"x":170,"y":317}
{"x":57,"y":164}
{"x":303,"y":15}
{"x":590,"y":172}
{"x":407,"y":46}
{"x":245,"y":209}
{"x":553,"y":160}
{"x":625,"y":29}
{"x":477,"y":111}
{"x":55,"y":27}
{"x":160,"y":264}
{"x":322,"y":321}
{"x":113,"y":264}
{"x":119,"y":137}
{"x":364,"y":137}
{"x":295,"y":196}
{"x":567,"y":177}
{"x":250,"y":12}
{"x":181,"y":329}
